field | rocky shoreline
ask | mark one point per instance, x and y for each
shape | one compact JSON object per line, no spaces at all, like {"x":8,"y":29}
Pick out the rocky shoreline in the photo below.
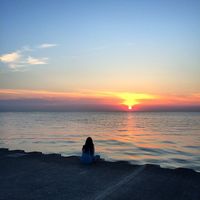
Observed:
{"x":35,"y":175}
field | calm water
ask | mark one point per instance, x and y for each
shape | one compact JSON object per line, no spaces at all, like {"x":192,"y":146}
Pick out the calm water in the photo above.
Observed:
{"x":169,"y":139}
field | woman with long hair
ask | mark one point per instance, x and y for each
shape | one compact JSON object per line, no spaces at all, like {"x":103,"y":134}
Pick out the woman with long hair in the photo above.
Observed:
{"x":88,"y":147}
{"x":88,"y":152}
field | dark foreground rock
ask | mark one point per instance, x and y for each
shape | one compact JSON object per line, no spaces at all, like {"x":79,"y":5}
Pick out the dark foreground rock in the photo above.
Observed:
{"x":49,"y":177}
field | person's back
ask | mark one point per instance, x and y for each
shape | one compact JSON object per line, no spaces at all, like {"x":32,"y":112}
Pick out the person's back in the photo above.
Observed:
{"x":88,"y":147}
{"x":88,"y":152}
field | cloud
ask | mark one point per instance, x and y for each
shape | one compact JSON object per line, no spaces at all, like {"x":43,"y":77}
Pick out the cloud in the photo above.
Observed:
{"x":36,"y":61}
{"x":46,"y":45}
{"x":20,"y":59}
{"x":13,"y":60}
{"x":16,"y":60}
{"x":10,"y":57}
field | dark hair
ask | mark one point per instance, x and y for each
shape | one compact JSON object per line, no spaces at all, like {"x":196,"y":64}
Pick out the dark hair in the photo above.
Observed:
{"x":89,"y":142}
{"x":89,"y":146}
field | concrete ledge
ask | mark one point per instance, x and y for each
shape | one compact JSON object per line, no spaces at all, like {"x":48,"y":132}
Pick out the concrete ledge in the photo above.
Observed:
{"x":39,"y":176}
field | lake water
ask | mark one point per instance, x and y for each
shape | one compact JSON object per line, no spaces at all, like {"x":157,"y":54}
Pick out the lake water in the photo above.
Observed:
{"x":170,"y":139}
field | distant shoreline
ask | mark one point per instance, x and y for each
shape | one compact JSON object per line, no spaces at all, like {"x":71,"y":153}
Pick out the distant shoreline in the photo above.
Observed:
{"x":102,"y":111}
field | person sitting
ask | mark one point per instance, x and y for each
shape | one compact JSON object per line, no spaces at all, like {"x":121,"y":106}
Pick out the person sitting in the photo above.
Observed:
{"x":88,"y":152}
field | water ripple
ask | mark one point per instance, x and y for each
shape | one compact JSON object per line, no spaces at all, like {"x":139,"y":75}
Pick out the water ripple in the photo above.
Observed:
{"x":168,"y":139}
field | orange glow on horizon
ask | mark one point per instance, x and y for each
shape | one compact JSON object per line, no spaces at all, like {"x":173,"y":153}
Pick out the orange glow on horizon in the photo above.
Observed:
{"x":117,"y":100}
{"x":132,"y":99}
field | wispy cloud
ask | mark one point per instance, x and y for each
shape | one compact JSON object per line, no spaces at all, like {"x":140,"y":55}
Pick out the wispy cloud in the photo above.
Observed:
{"x":13,"y":60}
{"x":10,"y":57}
{"x":17,"y":60}
{"x":46,"y":45}
{"x":36,"y":61}
{"x":21,"y":59}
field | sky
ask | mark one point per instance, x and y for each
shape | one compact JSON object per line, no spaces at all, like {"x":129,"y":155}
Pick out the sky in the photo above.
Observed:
{"x":102,"y":55}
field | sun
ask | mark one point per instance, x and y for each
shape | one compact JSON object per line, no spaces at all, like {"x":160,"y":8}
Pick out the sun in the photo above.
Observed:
{"x":132,"y":99}
{"x":130,"y":107}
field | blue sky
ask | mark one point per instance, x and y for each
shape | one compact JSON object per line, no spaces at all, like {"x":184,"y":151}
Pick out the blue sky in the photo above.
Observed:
{"x":122,"y":46}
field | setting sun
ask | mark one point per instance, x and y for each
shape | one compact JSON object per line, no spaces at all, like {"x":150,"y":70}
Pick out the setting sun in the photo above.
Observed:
{"x":131,"y":99}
